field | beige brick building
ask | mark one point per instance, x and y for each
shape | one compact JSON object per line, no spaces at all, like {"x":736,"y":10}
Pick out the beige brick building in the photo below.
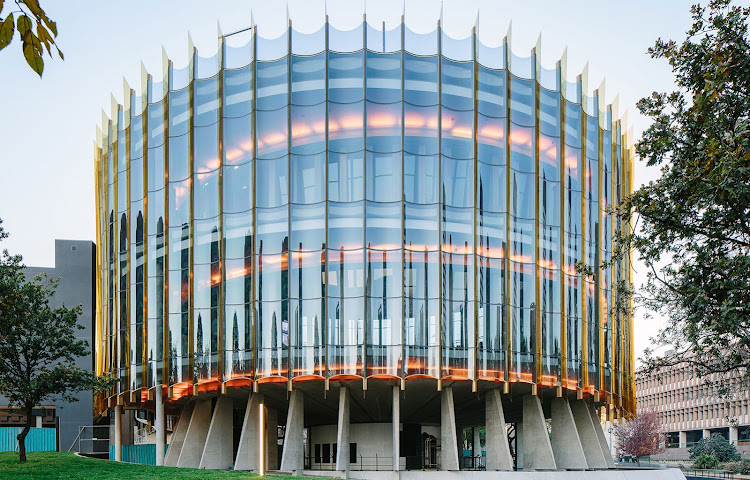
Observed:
{"x":692,"y":408}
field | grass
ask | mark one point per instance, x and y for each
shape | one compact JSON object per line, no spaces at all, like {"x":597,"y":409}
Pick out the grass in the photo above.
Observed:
{"x":67,"y":466}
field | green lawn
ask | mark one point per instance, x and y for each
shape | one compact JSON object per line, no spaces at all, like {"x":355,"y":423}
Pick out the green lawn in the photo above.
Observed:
{"x":67,"y":466}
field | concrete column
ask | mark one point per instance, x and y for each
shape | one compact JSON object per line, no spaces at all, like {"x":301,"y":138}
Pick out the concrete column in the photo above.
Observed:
{"x":293,"y":455}
{"x":733,"y":435}
{"x":683,"y":439}
{"x":566,"y":444}
{"x":600,"y":435}
{"x":159,"y":426}
{"x":342,"y":435}
{"x":519,"y":445}
{"x":496,"y":435}
{"x":271,"y":433}
{"x":178,"y":436}
{"x":448,"y":435}
{"x":118,"y":433}
{"x":706,"y":433}
{"x":218,"y":449}
{"x":195,"y":437}
{"x":537,"y":449}
{"x":476,"y":443}
{"x":396,"y":411}
{"x":248,"y":451}
{"x":587,"y":435}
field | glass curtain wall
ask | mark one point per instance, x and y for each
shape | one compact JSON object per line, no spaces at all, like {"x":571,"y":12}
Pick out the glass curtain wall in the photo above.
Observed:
{"x":362,"y":203}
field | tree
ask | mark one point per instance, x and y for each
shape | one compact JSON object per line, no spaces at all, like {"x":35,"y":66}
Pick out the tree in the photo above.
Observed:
{"x":717,"y":446}
{"x":37,"y":345}
{"x":691,"y":226}
{"x":643,"y":435}
{"x":34,"y":27}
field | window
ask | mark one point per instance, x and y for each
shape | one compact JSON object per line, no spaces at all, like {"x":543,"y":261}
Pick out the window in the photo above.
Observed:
{"x":352,"y":453}
{"x":317,"y":453}
{"x":326,"y":453}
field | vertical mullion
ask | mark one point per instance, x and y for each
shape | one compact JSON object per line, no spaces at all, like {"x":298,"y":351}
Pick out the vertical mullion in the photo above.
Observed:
{"x":561,"y":71}
{"x":144,"y":148}
{"x":292,"y":350}
{"x":222,"y":244}
{"x":191,"y":222}
{"x":365,"y":250}
{"x":254,"y":135}
{"x":441,"y":205}
{"x":507,"y":286}
{"x":165,"y":265}
{"x":404,"y":360}
{"x":536,"y":59}
{"x":327,"y":319}
{"x":474,"y":256}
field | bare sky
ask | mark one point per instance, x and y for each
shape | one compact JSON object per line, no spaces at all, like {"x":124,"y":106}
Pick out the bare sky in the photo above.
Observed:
{"x":47,"y":126}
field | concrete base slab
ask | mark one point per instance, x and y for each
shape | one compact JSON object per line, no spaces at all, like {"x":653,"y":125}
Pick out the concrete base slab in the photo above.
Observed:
{"x":293,"y":455}
{"x":195,"y":438}
{"x":625,"y":474}
{"x":248,"y":450}
{"x":566,"y":445}
{"x":178,"y":436}
{"x":537,"y":453}
{"x":497,"y":449}
{"x":587,"y":434}
{"x":448,"y":435}
{"x":218,"y":449}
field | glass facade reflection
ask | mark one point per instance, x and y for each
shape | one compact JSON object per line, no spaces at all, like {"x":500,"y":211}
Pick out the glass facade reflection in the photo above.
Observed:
{"x":386,"y":206}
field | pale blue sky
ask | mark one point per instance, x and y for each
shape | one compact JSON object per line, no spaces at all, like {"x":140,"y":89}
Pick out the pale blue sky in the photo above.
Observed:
{"x":47,"y":126}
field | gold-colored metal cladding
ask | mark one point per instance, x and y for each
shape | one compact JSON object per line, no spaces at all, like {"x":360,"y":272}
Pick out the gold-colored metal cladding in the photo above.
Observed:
{"x":110,"y":359}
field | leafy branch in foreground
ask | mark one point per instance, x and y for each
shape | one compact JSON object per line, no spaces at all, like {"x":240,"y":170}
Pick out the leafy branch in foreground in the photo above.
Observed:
{"x":36,"y":30}
{"x":694,"y":221}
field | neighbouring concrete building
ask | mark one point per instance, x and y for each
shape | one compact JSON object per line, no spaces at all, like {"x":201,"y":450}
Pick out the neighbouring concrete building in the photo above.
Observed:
{"x":338,"y":250}
{"x":75,"y":262}
{"x":692,"y":408}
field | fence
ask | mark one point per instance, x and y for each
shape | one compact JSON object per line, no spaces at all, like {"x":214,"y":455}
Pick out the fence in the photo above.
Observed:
{"x":144,"y":454}
{"x":37,"y":440}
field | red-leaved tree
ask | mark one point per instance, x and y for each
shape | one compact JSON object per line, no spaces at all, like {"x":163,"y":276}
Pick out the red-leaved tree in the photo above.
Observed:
{"x":641,"y":436}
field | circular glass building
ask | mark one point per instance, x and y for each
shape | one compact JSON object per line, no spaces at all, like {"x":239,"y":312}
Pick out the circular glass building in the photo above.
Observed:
{"x":377,"y":216}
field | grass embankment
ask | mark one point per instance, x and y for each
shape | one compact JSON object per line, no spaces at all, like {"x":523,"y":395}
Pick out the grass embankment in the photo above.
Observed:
{"x":67,"y":466}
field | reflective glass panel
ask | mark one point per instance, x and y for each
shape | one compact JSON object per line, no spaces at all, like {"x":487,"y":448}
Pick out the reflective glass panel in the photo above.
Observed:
{"x":345,"y":127}
{"x":457,"y":85}
{"x":271,"y":84}
{"x":421,"y":178}
{"x":271,"y":182}
{"x":383,"y":127}
{"x":271,"y":227}
{"x":421,"y":80}
{"x":308,"y":129}
{"x":345,"y":177}
{"x":383,"y":77}
{"x":308,"y":227}
{"x":383,"y":225}
{"x":238,"y":187}
{"x":308,"y":80}
{"x":383,"y":176}
{"x":308,"y":178}
{"x":345,"y":227}
{"x":238,"y":92}
{"x":238,"y":140}
{"x":345,"y":77}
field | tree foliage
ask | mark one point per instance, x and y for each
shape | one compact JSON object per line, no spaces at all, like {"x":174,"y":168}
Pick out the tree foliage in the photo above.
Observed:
{"x":641,"y":436}
{"x":38,"y":346}
{"x":692,"y":225}
{"x":717,"y":446}
{"x":35,"y":29}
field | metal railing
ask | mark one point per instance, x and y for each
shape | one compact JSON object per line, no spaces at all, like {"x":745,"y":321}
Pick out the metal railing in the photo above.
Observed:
{"x":363,"y":463}
{"x":476,"y":462}
{"x":92,"y":440}
{"x":707,"y":473}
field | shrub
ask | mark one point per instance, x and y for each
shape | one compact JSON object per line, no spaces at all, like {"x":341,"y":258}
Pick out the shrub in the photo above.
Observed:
{"x":715,"y":445}
{"x":742,"y":467}
{"x":706,"y":462}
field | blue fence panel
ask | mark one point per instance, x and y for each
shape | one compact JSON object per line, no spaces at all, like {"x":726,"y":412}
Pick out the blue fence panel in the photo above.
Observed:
{"x":144,"y":454}
{"x":37,"y":440}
